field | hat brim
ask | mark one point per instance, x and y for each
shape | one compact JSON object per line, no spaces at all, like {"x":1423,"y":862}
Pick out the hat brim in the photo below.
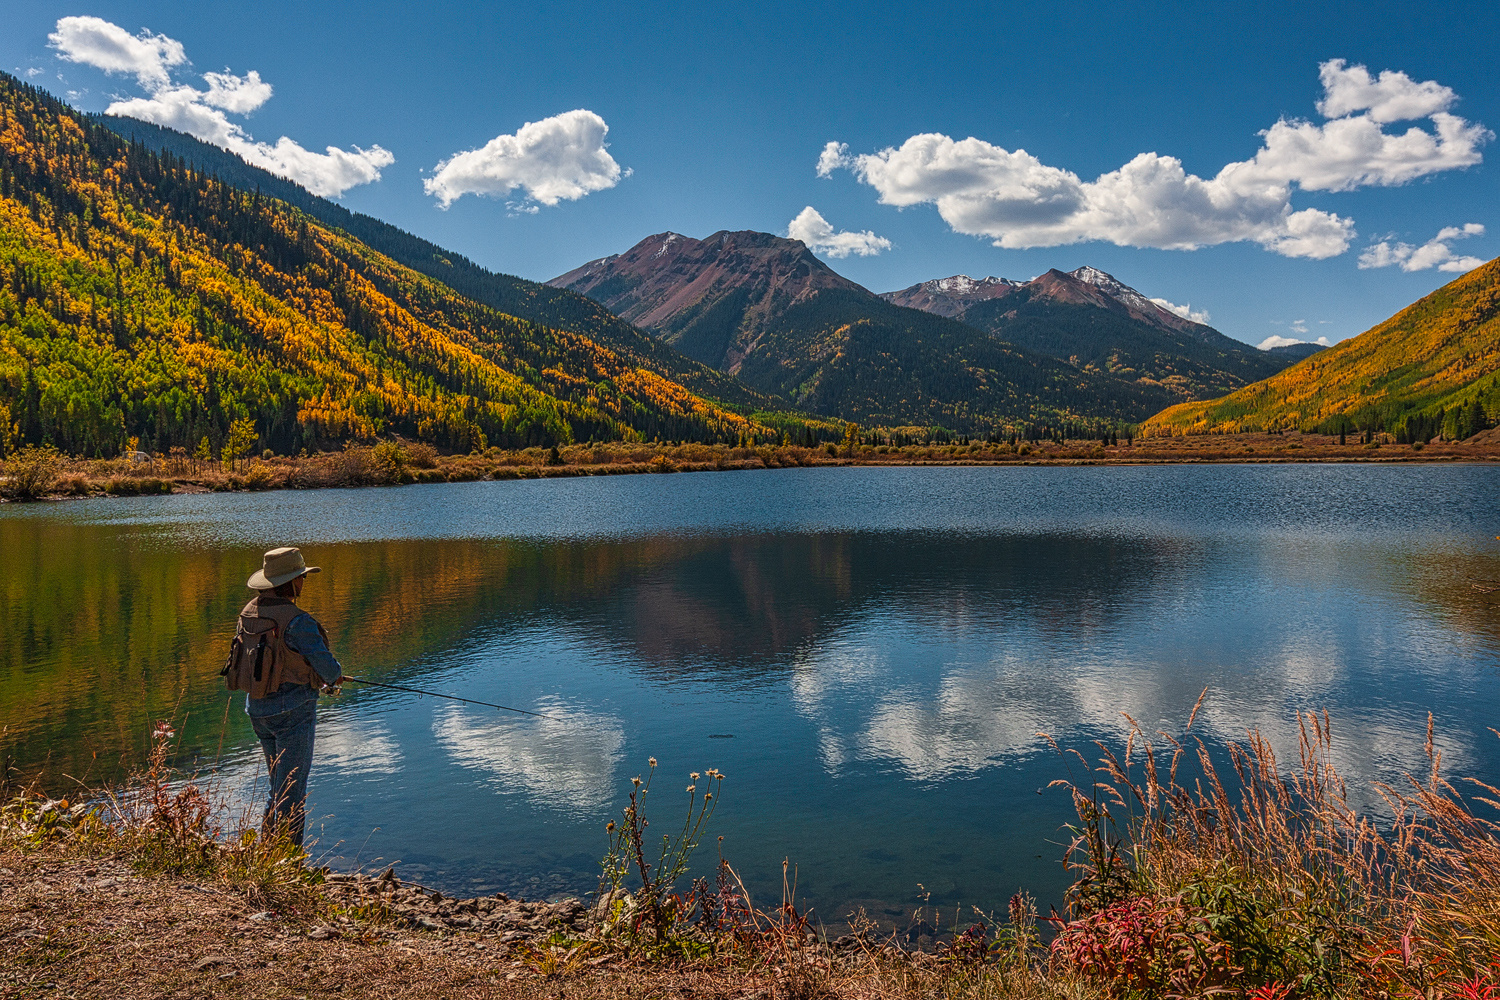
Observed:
{"x":259,"y":581}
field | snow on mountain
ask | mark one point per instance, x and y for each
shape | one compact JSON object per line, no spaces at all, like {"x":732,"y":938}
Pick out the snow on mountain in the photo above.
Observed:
{"x":1115,"y":288}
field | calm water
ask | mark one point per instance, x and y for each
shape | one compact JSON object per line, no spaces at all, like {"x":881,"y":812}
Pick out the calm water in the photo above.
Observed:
{"x":869,"y":654}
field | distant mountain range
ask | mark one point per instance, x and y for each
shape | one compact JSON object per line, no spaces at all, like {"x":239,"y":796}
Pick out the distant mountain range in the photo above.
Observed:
{"x":765,"y":309}
{"x":1433,"y":368}
{"x":1295,"y":352}
{"x":1096,"y":322}
{"x":743,"y":303}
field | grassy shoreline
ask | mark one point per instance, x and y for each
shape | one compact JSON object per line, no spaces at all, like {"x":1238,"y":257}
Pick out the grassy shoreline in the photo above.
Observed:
{"x":1199,"y":870}
{"x":396,"y":464}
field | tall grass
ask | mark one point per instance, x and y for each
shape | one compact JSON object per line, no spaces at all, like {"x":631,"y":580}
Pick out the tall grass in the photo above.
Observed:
{"x":168,"y":823}
{"x":1255,"y":875}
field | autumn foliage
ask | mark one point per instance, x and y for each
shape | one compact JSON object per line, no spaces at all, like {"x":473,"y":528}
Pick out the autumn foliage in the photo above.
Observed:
{"x":1431,"y":370}
{"x":141,"y":299}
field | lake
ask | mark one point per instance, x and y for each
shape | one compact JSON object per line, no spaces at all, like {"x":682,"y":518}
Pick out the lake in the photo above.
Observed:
{"x":869,"y":654}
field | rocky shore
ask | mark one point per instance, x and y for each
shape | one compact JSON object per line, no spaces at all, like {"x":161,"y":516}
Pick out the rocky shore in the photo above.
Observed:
{"x":409,"y":906}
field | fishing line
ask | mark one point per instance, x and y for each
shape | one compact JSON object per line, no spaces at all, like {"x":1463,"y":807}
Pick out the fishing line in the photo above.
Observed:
{"x":451,"y":697}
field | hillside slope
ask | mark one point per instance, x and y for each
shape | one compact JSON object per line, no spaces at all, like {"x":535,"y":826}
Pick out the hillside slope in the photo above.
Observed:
{"x":1433,"y":368}
{"x":529,"y":300}
{"x":142,"y":299}
{"x":1096,"y":322}
{"x":765,"y":309}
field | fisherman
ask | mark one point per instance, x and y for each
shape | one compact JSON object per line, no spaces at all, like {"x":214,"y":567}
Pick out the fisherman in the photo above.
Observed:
{"x":280,"y":657}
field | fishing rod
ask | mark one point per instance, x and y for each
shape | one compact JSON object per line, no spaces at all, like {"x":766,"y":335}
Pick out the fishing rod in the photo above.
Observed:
{"x":450,"y":697}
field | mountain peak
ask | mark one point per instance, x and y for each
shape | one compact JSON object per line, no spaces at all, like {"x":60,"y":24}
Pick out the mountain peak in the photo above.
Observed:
{"x":1116,"y":289}
{"x":952,"y":295}
{"x":705,"y":296}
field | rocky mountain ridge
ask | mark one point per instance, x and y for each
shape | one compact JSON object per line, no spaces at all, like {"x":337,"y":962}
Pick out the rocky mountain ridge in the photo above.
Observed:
{"x":1086,"y":285}
{"x":1094,"y":321}
{"x":767,"y":310}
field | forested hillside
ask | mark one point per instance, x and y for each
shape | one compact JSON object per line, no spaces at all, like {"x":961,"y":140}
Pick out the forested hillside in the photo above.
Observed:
{"x":143,"y":299}
{"x":530,"y":300}
{"x":1432,"y":369}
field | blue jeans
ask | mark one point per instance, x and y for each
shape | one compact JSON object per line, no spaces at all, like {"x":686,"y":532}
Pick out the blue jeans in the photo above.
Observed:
{"x":287,"y":739}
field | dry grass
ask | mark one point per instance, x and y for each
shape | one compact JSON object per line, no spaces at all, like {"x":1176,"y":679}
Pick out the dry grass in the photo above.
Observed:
{"x":395,"y":463}
{"x":1252,"y":874}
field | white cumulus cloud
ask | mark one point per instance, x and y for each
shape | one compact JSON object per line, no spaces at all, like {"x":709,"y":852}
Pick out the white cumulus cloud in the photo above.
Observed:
{"x":1018,"y":201}
{"x":1391,"y":97}
{"x":559,"y":158}
{"x":1186,"y":311}
{"x":1276,"y":340}
{"x":203,"y":114}
{"x":1434,"y":253}
{"x":238,"y":95}
{"x":96,"y":42}
{"x":814,"y":230}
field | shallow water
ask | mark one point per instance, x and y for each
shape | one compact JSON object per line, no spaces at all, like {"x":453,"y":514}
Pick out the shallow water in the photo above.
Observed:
{"x":868,"y":653}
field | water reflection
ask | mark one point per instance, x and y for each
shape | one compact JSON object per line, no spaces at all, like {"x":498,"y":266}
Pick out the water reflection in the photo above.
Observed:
{"x":884,"y":688}
{"x":565,"y":762}
{"x":358,"y":747}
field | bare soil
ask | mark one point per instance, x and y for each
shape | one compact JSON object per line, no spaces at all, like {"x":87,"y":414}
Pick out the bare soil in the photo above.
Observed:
{"x":72,"y":927}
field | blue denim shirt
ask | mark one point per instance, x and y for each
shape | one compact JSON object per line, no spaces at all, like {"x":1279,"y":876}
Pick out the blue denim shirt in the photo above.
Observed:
{"x":302,"y":636}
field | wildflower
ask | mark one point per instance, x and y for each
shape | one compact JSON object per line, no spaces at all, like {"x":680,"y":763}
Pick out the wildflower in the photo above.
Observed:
{"x":636,"y":781}
{"x":610,"y":828}
{"x":651,"y":761}
{"x":707,"y":796}
{"x":692,"y":788}
{"x":693,"y":776}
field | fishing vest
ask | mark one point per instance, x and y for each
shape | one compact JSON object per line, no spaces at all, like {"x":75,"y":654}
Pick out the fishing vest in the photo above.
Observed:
{"x":260,"y":661}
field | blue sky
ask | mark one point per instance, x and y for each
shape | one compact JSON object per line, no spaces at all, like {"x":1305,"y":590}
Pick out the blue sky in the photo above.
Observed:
{"x":719,"y":118}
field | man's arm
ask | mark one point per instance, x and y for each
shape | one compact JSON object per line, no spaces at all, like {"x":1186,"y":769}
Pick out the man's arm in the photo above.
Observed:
{"x":302,"y":636}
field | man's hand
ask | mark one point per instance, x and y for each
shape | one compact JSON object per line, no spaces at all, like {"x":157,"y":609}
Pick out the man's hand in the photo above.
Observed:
{"x":337,"y":687}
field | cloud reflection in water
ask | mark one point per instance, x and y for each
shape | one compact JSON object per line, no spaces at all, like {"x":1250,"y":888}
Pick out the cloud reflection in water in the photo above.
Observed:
{"x":566,"y":762}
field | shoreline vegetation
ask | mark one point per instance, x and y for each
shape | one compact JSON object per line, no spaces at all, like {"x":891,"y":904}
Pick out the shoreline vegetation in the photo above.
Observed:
{"x":1200,"y":869}
{"x":43,"y":473}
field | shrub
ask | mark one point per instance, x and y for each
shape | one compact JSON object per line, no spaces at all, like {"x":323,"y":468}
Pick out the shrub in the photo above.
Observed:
{"x":421,"y":455}
{"x":661,"y":463}
{"x":259,"y":476}
{"x":351,"y":467}
{"x":130,"y":486}
{"x":31,"y":472}
{"x":1268,"y":878}
{"x":387,"y":462}
{"x":76,"y":484}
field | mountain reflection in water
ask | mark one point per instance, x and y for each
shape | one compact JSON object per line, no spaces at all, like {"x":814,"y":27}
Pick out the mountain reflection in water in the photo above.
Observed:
{"x":885,"y":686}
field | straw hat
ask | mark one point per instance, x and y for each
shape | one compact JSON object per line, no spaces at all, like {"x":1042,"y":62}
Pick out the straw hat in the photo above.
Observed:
{"x":277,"y":567}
